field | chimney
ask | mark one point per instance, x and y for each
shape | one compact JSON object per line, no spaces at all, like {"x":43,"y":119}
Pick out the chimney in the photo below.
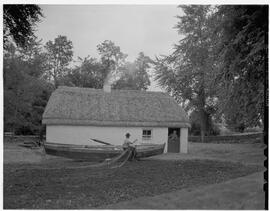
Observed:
{"x":107,"y":88}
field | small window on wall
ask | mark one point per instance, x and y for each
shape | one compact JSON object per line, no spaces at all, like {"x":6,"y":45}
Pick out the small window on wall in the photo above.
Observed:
{"x":146,"y":134}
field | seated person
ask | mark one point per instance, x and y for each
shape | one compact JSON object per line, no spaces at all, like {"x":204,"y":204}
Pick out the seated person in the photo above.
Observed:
{"x":129,"y":145}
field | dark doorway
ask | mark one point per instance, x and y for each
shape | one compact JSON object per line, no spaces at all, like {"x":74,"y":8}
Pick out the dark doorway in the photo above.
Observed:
{"x":174,"y":140}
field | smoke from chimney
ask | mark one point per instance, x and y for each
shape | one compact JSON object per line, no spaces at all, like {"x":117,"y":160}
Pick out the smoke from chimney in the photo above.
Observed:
{"x":112,"y":76}
{"x":107,"y":83}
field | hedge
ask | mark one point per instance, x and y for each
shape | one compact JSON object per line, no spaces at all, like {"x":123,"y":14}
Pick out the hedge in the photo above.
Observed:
{"x":248,"y":138}
{"x":21,"y":138}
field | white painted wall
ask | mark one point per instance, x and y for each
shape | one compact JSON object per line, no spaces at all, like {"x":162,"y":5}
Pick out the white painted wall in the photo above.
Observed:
{"x":68,"y":134}
{"x":184,"y":140}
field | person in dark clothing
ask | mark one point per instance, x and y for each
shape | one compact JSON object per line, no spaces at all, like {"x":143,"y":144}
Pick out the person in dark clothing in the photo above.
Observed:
{"x":173,"y":136}
{"x":129,"y":145}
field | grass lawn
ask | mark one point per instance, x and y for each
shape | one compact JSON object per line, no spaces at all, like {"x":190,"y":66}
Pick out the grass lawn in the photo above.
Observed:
{"x":28,"y":187}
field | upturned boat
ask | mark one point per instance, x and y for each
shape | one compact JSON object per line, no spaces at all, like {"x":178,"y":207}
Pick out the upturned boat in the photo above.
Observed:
{"x":99,"y":152}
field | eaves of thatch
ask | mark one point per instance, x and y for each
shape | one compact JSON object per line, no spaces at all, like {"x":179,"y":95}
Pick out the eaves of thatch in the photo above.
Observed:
{"x":125,"y":108}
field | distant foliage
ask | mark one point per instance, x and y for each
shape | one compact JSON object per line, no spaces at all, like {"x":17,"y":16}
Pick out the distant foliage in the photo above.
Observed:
{"x":90,"y":73}
{"x":112,"y":68}
{"x":19,"y":22}
{"x":25,"y":91}
{"x":134,"y":75}
{"x":112,"y":58}
{"x":59,"y":55}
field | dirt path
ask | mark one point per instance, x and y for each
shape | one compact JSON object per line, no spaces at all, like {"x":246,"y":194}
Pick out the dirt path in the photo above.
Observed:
{"x":241,"y":193}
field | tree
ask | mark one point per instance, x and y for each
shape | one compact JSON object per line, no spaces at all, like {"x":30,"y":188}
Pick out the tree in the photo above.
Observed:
{"x":34,"y":57}
{"x":25,"y":91}
{"x":143,"y":64}
{"x":242,"y":57}
{"x":195,"y":124}
{"x":187,"y":72}
{"x":19,"y":22}
{"x":95,"y":73}
{"x":59,"y":55}
{"x":112,"y":58}
{"x":91,"y":73}
{"x":134,"y":75}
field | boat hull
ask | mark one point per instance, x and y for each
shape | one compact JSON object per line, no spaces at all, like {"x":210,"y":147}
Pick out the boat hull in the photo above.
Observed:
{"x":98,"y":153}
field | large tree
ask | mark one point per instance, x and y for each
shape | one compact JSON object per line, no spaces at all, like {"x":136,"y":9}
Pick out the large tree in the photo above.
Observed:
{"x":25,"y":92}
{"x":19,"y":22}
{"x":243,"y":53}
{"x":34,"y":57}
{"x":187,"y":72}
{"x":59,"y":56}
{"x":112,"y":58}
{"x":134,"y":75}
{"x":90,"y":73}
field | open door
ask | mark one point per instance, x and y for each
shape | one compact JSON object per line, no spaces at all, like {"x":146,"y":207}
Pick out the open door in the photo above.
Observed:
{"x":174,"y":140}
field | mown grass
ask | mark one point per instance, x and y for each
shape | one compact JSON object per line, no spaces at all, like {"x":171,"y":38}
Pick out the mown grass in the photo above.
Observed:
{"x":31,"y":187}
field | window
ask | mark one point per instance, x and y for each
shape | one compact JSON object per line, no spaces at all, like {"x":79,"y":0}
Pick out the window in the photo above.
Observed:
{"x":146,"y":134}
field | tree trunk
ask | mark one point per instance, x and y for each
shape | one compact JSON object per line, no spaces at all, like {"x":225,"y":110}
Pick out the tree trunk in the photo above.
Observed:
{"x":202,"y":136}
{"x":15,"y":113}
{"x":203,"y":122}
{"x":55,"y":78}
{"x":201,"y":105}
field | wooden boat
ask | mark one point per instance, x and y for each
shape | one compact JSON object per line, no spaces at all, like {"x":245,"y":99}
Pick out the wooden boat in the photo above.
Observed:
{"x":99,"y":153}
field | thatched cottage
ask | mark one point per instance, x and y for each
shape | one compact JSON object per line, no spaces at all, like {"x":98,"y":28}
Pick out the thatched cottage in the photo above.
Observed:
{"x":75,"y":115}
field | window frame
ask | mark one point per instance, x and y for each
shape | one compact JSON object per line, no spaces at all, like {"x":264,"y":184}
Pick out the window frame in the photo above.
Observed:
{"x":147,"y":137}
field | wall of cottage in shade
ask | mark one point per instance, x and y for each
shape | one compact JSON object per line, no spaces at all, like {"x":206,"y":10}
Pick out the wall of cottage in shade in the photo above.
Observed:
{"x":81,"y":135}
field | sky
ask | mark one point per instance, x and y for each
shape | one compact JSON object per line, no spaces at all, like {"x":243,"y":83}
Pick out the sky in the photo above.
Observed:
{"x":135,"y":28}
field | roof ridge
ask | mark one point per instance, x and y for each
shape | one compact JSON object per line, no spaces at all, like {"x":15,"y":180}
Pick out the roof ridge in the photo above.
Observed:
{"x":87,"y":89}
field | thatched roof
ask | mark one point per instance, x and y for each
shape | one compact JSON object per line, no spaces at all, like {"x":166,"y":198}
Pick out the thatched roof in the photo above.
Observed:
{"x":85,"y":106}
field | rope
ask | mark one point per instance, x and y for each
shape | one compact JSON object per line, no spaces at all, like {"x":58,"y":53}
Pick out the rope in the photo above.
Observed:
{"x":104,"y":163}
{"x":115,"y":159}
{"x":123,"y":163}
{"x":127,"y":152}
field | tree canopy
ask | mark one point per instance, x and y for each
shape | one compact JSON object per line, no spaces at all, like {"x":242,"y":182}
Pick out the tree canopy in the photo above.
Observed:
{"x":134,"y":75}
{"x":242,"y":54}
{"x":186,"y":73}
{"x":112,"y":58}
{"x":218,"y":68}
{"x":59,"y":55}
{"x":89,"y":73}
{"x":25,"y":91}
{"x":19,"y":22}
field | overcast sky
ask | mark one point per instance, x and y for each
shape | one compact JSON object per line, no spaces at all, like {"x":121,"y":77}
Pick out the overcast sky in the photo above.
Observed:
{"x":135,"y":28}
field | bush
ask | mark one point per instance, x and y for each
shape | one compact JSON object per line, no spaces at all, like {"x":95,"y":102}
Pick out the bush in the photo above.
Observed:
{"x":215,"y":130}
{"x":253,"y":130}
{"x":195,"y":129}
